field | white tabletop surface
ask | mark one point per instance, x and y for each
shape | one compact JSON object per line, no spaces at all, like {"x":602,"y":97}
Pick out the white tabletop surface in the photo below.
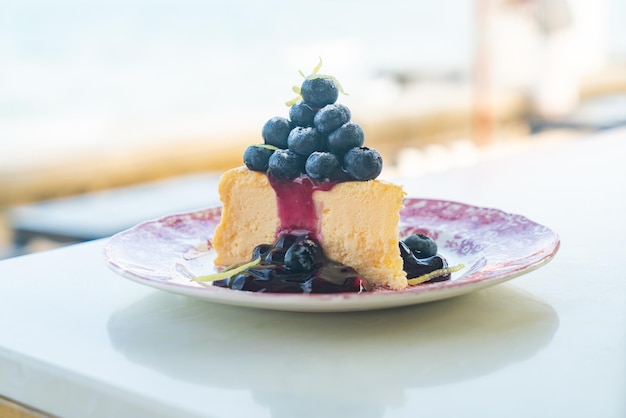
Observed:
{"x":77,"y":340}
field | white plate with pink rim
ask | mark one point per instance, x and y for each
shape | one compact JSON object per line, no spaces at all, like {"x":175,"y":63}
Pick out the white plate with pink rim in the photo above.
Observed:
{"x":494,"y":246}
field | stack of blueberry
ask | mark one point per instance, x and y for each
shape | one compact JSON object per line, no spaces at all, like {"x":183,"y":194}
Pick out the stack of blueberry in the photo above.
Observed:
{"x":318,"y":140}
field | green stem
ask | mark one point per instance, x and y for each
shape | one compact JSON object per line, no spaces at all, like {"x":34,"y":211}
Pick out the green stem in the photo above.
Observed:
{"x":228,"y":273}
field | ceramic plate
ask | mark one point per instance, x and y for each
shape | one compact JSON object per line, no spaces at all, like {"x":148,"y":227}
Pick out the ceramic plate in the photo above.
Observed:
{"x":494,"y":247}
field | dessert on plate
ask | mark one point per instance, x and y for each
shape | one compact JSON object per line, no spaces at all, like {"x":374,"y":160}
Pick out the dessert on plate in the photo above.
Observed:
{"x":307,"y":214}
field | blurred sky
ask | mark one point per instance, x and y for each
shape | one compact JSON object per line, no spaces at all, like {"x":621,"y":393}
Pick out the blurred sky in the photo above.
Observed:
{"x":84,"y":74}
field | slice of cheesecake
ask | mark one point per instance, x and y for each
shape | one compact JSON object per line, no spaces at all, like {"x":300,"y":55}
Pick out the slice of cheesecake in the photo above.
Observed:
{"x":356,"y":222}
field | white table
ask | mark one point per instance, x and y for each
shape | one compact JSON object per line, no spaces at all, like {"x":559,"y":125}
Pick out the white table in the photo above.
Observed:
{"x":76,"y":340}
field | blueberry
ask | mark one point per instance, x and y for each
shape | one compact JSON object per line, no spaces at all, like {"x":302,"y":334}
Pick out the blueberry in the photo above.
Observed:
{"x":299,"y":258}
{"x":318,"y":92}
{"x":363,"y":163}
{"x":415,"y":266}
{"x":304,"y":255}
{"x":331,"y":117}
{"x":301,"y":114}
{"x":421,"y":245}
{"x":285,"y":241}
{"x":304,"y":141}
{"x":349,"y":135}
{"x":321,"y":165}
{"x":275,"y":256}
{"x":275,"y":132}
{"x":256,"y":157}
{"x":284,"y":164}
{"x":314,"y":248}
{"x":261,"y":251}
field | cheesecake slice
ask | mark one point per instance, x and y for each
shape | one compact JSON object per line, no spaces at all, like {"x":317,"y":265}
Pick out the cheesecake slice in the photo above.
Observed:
{"x":356,"y":222}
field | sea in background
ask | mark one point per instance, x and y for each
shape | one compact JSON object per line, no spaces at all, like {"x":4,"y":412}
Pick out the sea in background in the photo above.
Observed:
{"x":88,"y":76}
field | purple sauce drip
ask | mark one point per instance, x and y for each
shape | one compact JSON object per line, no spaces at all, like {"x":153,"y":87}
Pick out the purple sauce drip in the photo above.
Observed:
{"x":296,"y":209}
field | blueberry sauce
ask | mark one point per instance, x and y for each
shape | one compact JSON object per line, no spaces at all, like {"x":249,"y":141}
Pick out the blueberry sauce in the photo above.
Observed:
{"x":295,"y":263}
{"x":416,"y":267}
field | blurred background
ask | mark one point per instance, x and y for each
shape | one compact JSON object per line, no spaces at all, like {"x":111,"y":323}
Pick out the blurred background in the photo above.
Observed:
{"x":113,"y":112}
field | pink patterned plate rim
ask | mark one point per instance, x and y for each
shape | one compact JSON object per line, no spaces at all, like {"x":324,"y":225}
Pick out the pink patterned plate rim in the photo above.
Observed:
{"x":494,"y":246}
